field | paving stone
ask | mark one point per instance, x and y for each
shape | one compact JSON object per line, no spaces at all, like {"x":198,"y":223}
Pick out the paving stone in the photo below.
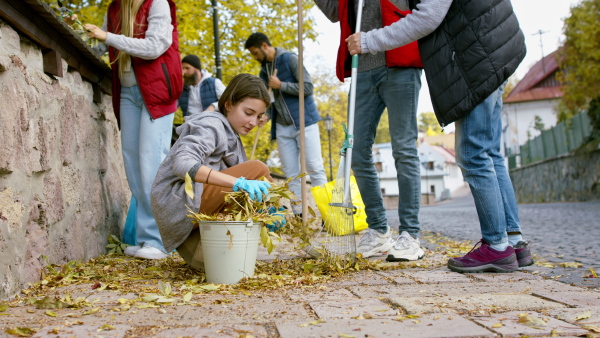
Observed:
{"x":352,"y":308}
{"x":473,"y":302}
{"x":579,"y":299}
{"x":438,"y":276}
{"x":100,"y":297}
{"x":451,"y":289}
{"x":323,"y":294}
{"x":248,"y":312}
{"x":397,"y":276}
{"x":361,"y":278}
{"x":505,"y":277}
{"x":427,"y":326}
{"x":553,"y":286}
{"x":571,"y":314}
{"x":234,"y":330}
{"x":82,"y":331}
{"x":512,"y":328}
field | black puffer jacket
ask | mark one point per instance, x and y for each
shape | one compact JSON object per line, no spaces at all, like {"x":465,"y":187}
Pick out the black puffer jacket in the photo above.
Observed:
{"x":475,"y":49}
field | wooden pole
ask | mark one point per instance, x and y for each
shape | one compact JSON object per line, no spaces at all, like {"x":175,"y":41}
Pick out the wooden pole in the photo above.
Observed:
{"x":301,"y":103}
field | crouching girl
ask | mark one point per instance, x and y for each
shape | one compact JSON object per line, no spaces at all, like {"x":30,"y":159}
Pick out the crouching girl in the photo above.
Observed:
{"x":209,"y":149}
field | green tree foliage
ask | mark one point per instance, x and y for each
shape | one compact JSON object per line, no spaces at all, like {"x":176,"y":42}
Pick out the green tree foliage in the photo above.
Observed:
{"x":237,"y":20}
{"x":427,"y":120}
{"x":580,"y":62}
{"x":538,"y":124}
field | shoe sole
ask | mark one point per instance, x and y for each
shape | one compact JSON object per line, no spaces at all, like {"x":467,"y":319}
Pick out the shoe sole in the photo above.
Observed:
{"x":415,"y":257}
{"x":378,"y":250}
{"x":527,"y":261}
{"x":486,"y":268}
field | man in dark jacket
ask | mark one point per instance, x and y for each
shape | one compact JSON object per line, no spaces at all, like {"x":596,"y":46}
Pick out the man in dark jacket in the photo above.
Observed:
{"x":201,"y":91}
{"x":469,"y":48}
{"x":279,"y":70}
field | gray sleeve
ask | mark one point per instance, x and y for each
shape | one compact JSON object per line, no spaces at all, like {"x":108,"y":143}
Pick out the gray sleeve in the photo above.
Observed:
{"x":196,"y":144}
{"x":294,"y":88}
{"x":422,"y":22}
{"x":159,"y":35}
{"x":329,"y":8}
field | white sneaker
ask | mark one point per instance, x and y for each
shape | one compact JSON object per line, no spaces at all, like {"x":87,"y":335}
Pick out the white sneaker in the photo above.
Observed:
{"x":131,"y":250}
{"x":406,"y":248}
{"x":148,"y":252}
{"x":374,"y":242}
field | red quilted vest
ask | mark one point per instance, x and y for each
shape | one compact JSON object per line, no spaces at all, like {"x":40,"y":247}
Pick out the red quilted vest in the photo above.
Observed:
{"x":405,"y":56}
{"x":160,"y":80}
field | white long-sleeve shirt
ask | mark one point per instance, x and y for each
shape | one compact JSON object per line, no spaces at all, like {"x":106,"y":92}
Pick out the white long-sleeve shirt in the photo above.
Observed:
{"x":158,"y":39}
{"x":425,"y":19}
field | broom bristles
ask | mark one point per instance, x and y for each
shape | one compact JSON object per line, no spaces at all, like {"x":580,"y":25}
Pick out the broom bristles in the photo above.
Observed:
{"x":339,"y":243}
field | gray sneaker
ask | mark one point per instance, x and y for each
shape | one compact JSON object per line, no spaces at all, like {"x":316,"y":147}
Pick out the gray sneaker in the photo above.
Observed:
{"x":405,"y":248}
{"x":374,"y":243}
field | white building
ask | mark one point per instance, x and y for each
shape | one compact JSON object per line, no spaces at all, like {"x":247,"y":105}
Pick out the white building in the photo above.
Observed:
{"x":440,"y":175}
{"x":535,"y":97}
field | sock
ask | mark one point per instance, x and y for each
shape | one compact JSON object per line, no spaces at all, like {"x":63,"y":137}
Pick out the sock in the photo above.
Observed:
{"x":500,"y":246}
{"x":514,"y":239}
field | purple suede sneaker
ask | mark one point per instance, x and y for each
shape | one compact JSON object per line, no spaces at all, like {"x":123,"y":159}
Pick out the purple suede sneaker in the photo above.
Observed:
{"x":523,"y":254}
{"x":485,"y":259}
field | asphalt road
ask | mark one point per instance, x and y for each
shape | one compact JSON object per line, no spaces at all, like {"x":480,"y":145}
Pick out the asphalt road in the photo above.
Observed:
{"x":558,"y":233}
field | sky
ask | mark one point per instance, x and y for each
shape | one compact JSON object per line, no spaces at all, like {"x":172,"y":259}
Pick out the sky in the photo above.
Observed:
{"x":533,"y":16}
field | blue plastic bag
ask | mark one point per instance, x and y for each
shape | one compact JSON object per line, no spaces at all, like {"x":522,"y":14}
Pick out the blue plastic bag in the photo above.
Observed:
{"x":129,"y":231}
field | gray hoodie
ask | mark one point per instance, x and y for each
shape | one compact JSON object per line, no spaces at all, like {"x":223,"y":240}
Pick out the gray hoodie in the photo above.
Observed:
{"x":204,"y":139}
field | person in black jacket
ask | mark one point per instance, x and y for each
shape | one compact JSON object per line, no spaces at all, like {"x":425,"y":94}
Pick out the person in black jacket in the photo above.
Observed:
{"x":469,"y":49}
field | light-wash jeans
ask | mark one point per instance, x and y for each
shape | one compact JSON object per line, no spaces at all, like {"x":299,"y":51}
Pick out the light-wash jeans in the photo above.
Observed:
{"x":398,"y":90}
{"x":478,"y":137}
{"x":145,"y":143}
{"x":288,"y":144}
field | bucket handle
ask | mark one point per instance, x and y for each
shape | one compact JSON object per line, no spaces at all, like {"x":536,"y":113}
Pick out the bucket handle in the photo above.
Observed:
{"x":249,"y":225}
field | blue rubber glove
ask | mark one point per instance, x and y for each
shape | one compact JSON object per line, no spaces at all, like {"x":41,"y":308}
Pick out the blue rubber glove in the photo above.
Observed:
{"x":276,"y":225}
{"x":253,"y":187}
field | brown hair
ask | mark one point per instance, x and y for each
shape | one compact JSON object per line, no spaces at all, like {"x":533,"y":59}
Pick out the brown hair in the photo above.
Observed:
{"x":241,"y":87}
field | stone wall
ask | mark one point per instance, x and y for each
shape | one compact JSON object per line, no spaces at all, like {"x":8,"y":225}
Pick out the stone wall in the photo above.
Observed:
{"x":62,"y":182}
{"x":571,"y":178}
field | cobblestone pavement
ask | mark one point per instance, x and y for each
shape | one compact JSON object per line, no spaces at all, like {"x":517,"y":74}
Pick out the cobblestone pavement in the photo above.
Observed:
{"x":559,"y":233}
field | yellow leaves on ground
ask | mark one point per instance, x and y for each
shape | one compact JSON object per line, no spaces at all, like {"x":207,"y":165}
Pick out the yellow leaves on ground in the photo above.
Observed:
{"x":21,"y":331}
{"x":584,"y":315}
{"x":531,"y":321}
{"x":91,"y":311}
{"x":312,"y":322}
{"x":592,"y":328}
{"x":570,"y":264}
{"x":497,"y":325}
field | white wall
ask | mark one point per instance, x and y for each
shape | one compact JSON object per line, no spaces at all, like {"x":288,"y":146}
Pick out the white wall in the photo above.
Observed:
{"x":518,"y":120}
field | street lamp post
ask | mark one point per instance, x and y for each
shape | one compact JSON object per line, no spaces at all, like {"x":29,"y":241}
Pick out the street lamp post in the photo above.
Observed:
{"x":216,"y":35}
{"x":328,"y":126}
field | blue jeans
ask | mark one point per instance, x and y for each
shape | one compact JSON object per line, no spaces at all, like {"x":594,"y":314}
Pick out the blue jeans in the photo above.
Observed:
{"x":288,"y":145}
{"x":478,"y":137}
{"x":145,"y":143}
{"x":398,"y":90}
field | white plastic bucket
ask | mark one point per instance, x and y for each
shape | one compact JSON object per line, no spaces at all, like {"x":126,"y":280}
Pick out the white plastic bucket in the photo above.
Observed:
{"x":224,"y":265}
